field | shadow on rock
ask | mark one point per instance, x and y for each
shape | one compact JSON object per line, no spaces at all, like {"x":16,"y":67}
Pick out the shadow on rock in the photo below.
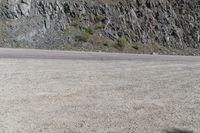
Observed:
{"x":177,"y":131}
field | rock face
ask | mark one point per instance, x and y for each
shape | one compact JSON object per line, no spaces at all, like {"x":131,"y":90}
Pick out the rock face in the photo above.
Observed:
{"x":58,"y":24}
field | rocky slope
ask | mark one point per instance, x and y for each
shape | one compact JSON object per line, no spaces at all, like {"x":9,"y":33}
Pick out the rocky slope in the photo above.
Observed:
{"x":164,"y":26}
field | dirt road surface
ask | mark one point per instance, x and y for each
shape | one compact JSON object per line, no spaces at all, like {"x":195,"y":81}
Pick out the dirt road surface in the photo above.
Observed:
{"x":72,"y":92}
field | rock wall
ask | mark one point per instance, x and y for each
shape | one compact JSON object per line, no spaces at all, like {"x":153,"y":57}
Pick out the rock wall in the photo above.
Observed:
{"x":55,"y":24}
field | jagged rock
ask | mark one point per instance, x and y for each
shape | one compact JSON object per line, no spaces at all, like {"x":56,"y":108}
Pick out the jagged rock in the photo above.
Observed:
{"x":169,"y":23}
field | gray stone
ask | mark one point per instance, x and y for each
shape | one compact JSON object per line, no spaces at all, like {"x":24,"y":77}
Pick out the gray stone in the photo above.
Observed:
{"x":173,"y":24}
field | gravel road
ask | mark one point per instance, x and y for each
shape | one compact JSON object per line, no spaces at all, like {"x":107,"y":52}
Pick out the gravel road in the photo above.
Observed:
{"x":72,"y":92}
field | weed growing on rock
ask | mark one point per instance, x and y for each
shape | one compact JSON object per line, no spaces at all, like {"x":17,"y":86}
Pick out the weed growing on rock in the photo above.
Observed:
{"x":122,"y":43}
{"x":90,"y":30}
{"x":84,"y":36}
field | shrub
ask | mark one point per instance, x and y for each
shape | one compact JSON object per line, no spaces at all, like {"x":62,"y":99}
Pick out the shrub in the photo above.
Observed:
{"x":84,"y":36}
{"x":123,"y":42}
{"x":91,"y":18}
{"x":101,"y":25}
{"x":105,"y":44}
{"x":101,"y":18}
{"x":90,"y":30}
{"x":135,"y":47}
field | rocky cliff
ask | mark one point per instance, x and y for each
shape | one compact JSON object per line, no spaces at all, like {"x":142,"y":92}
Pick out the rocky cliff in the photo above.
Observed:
{"x":164,"y":26}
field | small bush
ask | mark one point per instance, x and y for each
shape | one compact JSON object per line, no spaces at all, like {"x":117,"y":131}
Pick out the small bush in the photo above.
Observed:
{"x":105,"y":44}
{"x":101,"y":25}
{"x":74,"y":24}
{"x":90,"y":30}
{"x":91,"y":18}
{"x":84,"y":37}
{"x":123,"y":42}
{"x":101,"y":18}
{"x":135,"y":47}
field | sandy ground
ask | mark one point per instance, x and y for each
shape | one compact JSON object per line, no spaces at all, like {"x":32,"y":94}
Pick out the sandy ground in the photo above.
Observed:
{"x":61,"y":96}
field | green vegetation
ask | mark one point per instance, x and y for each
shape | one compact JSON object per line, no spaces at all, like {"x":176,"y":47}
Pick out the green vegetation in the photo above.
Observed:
{"x":122,"y":42}
{"x":110,"y":2}
{"x":101,"y":25}
{"x":101,"y":18}
{"x":91,"y":17}
{"x":84,"y":36}
{"x":135,"y":47}
{"x":105,"y":44}
{"x":90,"y":30}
